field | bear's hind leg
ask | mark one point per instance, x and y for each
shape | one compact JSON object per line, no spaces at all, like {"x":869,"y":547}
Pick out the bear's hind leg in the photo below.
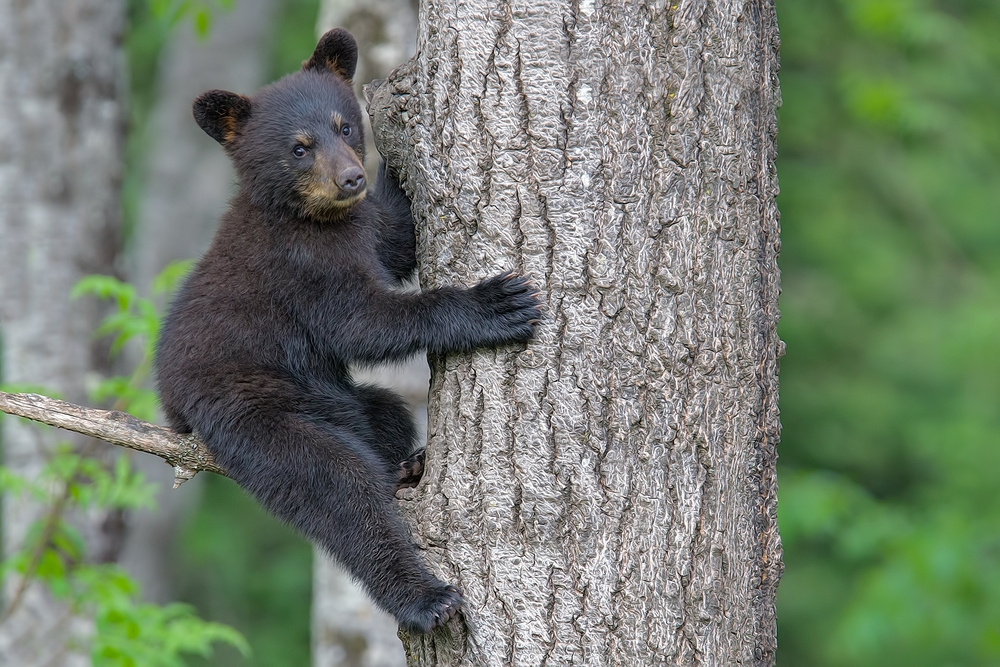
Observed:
{"x":393,"y":432}
{"x":333,"y":488}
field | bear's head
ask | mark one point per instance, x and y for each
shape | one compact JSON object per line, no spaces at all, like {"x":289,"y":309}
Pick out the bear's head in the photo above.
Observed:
{"x":298,"y":143}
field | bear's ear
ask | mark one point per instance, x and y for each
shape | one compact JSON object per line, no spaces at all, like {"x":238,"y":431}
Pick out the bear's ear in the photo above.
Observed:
{"x":336,"y":52}
{"x":221,"y":114}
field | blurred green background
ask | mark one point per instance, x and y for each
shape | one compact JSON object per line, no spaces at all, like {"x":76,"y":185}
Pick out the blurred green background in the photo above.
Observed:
{"x":889,"y":145}
{"x":889,"y":162}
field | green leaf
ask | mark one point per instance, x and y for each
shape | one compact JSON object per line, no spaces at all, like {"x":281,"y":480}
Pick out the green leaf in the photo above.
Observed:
{"x":67,"y":542}
{"x":105,"y":287}
{"x":161,"y":8}
{"x":168,"y":279}
{"x":129,"y":632}
{"x":12,"y":483}
{"x":202,"y":22}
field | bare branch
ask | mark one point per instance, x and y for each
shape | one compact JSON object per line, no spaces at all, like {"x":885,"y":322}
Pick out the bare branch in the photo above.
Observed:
{"x":186,"y":453}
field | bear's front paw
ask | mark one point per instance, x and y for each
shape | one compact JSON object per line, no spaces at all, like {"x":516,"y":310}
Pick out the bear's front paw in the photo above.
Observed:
{"x":511,"y":306}
{"x":435,"y":608}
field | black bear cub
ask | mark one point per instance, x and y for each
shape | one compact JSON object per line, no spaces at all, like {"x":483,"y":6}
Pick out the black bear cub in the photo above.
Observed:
{"x":254,"y":353}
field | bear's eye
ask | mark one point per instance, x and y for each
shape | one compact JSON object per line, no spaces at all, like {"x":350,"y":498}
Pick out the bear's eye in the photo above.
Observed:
{"x":345,"y":130}
{"x":300,"y":151}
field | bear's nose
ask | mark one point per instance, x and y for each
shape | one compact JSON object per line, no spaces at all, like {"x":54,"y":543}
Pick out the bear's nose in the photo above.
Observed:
{"x":351,"y":180}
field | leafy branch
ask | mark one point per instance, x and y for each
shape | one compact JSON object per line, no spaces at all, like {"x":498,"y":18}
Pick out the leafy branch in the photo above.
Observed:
{"x":134,"y":318}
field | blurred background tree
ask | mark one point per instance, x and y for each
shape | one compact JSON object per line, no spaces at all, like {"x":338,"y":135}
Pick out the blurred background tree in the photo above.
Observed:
{"x":61,"y":139}
{"x":889,"y":160}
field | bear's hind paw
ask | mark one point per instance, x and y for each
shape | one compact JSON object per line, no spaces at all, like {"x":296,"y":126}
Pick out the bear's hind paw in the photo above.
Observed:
{"x":410,"y":471}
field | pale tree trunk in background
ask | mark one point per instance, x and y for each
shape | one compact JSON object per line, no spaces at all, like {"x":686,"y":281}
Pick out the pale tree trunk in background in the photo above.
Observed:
{"x":188,"y":180}
{"x":61,"y":129}
{"x":187,"y":185}
{"x":605,"y":496}
{"x":386,"y":31}
{"x":347,"y":629}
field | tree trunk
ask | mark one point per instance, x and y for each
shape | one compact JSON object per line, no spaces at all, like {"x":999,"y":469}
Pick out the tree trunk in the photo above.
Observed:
{"x":606,"y":495}
{"x":61,"y":128}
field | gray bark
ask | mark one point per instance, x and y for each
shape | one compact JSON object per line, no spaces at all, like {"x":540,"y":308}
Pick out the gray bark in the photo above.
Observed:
{"x":61,"y":128}
{"x":187,"y":185}
{"x":606,"y":495}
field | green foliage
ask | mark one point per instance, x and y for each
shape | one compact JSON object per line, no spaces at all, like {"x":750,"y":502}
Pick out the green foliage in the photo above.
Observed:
{"x":133,"y":318}
{"x":200,"y":12}
{"x":128,"y":633}
{"x":890,"y":171}
{"x":147,"y":635}
{"x":238,"y":564}
{"x":294,"y":36}
{"x":149,"y":25}
{"x":144,"y":40}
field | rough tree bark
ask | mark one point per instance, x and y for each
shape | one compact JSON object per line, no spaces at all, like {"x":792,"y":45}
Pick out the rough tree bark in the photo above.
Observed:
{"x":61,"y":128}
{"x":607,"y":495}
